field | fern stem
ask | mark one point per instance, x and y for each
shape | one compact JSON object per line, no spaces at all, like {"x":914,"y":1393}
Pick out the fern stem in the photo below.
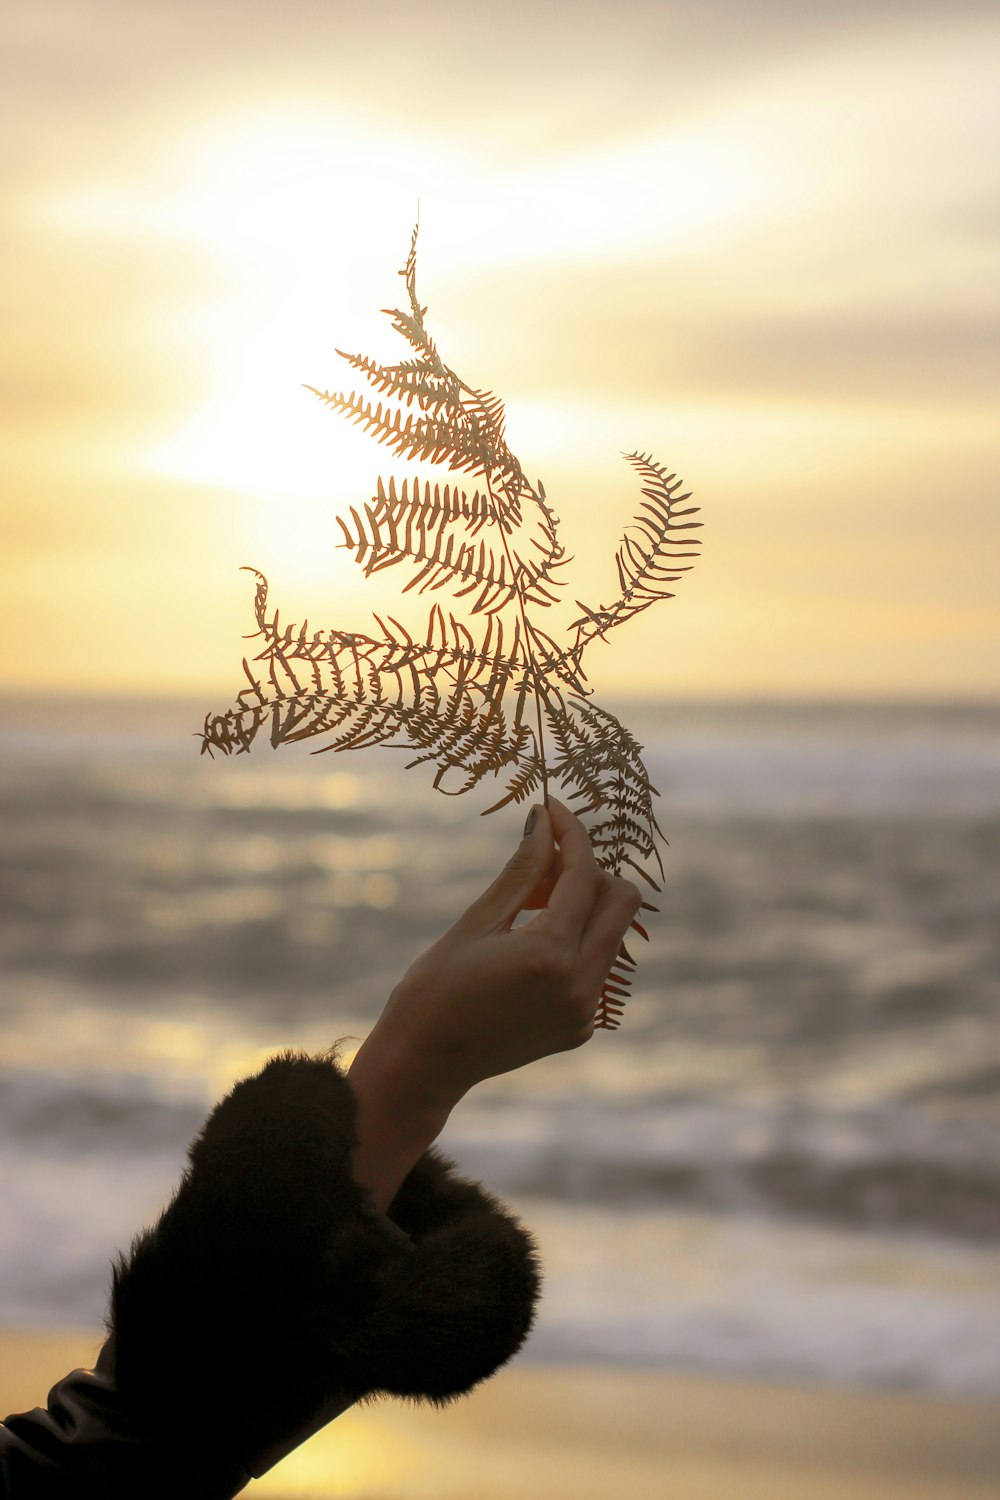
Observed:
{"x":527,"y":640}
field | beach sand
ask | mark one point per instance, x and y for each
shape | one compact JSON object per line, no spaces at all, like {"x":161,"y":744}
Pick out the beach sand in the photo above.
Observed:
{"x":586,"y":1434}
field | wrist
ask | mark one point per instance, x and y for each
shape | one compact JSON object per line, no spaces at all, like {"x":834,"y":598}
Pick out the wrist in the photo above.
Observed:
{"x":402,"y":1062}
{"x":386,"y":1086}
{"x":413,"y":1052}
{"x":398,"y":1118}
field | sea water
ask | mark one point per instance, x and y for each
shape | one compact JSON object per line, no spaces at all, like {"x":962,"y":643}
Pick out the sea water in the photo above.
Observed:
{"x":787,"y":1161}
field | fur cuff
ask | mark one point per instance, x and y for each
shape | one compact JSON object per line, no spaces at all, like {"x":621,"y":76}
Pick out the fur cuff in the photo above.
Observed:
{"x":271,"y":1289}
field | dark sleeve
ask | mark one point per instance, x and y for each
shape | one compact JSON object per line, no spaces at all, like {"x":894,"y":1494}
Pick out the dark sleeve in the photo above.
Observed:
{"x":270,"y":1296}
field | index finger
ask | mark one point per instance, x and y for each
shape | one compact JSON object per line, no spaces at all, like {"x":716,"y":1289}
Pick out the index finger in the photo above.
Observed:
{"x":579,"y":880}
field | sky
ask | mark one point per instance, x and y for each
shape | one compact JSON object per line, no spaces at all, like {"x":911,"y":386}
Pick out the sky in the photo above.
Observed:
{"x":757,"y":240}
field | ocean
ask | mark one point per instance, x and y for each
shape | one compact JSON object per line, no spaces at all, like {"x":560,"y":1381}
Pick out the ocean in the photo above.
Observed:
{"x":785,"y":1164}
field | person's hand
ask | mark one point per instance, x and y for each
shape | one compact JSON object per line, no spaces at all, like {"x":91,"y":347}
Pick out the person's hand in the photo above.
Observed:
{"x":489,"y":997}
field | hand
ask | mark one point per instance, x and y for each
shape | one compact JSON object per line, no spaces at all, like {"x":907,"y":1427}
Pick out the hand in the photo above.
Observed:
{"x":487,"y":997}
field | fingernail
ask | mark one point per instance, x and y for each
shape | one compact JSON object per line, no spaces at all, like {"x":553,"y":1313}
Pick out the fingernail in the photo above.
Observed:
{"x":530,"y":821}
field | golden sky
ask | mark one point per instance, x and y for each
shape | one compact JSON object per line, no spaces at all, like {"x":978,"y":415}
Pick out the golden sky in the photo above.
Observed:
{"x":756,"y":239}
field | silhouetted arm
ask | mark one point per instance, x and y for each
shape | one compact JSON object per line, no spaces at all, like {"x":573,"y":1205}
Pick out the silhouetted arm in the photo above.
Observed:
{"x":274,"y":1291}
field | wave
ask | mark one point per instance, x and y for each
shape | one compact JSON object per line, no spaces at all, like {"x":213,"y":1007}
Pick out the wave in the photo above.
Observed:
{"x":769,"y":759}
{"x":774,"y":1299}
{"x":113,"y":1112}
{"x":887,"y":1169}
{"x":681,"y":1232}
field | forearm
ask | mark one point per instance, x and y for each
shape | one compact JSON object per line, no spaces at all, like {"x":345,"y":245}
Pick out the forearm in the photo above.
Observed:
{"x":272,"y":1258}
{"x":270,"y":1295}
{"x":398,"y":1117}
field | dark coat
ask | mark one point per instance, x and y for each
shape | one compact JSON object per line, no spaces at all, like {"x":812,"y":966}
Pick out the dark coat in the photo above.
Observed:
{"x":271,"y":1296}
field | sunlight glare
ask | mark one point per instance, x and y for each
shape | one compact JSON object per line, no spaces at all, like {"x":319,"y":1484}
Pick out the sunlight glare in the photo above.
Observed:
{"x":285,"y":208}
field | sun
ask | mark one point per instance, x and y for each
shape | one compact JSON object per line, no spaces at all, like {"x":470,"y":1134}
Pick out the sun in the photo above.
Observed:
{"x":295,"y":220}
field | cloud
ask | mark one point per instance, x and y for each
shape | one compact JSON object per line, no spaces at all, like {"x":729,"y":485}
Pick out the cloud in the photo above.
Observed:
{"x":547,"y":73}
{"x":665,"y":328}
{"x":579,"y":256}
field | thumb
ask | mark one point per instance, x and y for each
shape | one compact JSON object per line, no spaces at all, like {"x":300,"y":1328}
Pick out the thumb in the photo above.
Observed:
{"x":520,"y":877}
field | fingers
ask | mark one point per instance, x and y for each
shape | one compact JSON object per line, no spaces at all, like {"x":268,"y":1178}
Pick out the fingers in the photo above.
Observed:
{"x":579,"y":880}
{"x":519,"y":880}
{"x":540,"y":895}
{"x":610,"y":919}
{"x":586,"y":907}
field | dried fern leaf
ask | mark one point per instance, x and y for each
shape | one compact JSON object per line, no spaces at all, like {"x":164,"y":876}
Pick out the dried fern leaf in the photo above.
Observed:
{"x":493,"y":694}
{"x":651,"y":554}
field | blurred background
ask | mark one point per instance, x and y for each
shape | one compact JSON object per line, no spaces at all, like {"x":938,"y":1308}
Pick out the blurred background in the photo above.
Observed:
{"x":758,"y":242}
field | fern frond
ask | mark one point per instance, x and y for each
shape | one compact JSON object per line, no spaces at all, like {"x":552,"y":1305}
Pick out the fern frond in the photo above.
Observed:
{"x":435,"y":505}
{"x":390,"y":666}
{"x":401,"y":530}
{"x":465,"y":567}
{"x":408,"y":382}
{"x":492,"y":694}
{"x":428,"y":439}
{"x":651,"y":554}
{"x":525,"y":782}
